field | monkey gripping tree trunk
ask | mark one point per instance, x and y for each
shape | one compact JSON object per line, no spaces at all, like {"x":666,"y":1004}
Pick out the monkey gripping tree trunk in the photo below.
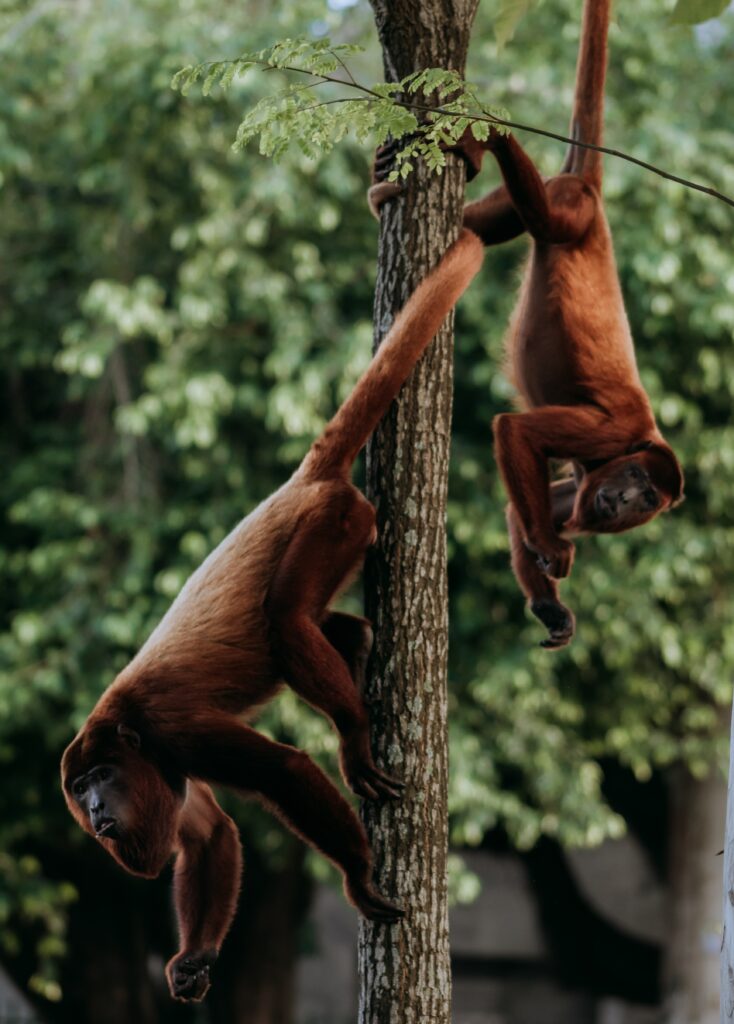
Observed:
{"x":405,"y":969}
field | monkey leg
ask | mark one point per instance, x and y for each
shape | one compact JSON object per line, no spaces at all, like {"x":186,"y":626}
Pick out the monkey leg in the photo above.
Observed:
{"x":327,"y":548}
{"x":226,"y":752}
{"x":494,"y":217}
{"x":351,"y":636}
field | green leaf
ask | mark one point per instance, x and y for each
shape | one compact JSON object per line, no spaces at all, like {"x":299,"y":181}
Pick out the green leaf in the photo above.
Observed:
{"x":693,"y":12}
{"x":480,"y":130}
{"x":215,"y":71}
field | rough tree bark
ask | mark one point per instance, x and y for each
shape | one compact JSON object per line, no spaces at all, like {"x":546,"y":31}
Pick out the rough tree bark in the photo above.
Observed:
{"x":727,"y":938}
{"x":405,"y":969}
{"x":696,"y":827}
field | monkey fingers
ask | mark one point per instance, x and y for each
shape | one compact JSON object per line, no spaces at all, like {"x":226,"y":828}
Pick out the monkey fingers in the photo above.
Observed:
{"x":366,"y":779}
{"x":381,"y":189}
{"x":559,"y":621}
{"x":374,"y":906}
{"x":384,"y":160}
{"x":188,"y":975}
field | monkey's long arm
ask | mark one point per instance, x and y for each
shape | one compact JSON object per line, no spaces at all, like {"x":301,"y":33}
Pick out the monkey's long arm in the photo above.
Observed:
{"x":540,"y":589}
{"x":556,"y":212}
{"x":206,"y":881}
{"x":523,"y":444}
{"x":287,"y":780}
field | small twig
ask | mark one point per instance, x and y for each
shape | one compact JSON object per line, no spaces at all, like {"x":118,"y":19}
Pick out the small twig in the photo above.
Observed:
{"x":490,"y":119}
{"x":344,"y":66}
{"x":331,"y":103}
{"x":517,"y":126}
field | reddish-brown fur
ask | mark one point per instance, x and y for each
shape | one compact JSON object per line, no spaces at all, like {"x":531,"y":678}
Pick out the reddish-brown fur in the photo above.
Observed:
{"x":254,"y":615}
{"x":570,"y":353}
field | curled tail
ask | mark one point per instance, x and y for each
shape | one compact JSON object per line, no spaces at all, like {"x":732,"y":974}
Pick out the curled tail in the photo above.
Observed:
{"x":587,"y":123}
{"x":413,"y":328}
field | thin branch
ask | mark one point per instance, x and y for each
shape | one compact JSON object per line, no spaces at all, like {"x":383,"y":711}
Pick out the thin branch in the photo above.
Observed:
{"x":331,"y":103}
{"x":490,"y":119}
{"x":344,"y":66}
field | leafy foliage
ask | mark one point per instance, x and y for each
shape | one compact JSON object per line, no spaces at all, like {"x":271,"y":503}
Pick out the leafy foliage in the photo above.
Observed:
{"x":292,"y":116}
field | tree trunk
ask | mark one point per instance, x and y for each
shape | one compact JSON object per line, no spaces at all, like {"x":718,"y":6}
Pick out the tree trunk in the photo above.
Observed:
{"x":727,"y":939}
{"x":405,"y":969}
{"x":696,"y":828}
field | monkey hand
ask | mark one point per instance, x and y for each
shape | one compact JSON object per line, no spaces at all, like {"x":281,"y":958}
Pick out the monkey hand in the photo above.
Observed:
{"x":381,"y":189}
{"x":555,"y":557}
{"x":369,"y":902}
{"x":364,"y":777}
{"x":188,"y":975}
{"x":472,"y":150}
{"x":558,"y":619}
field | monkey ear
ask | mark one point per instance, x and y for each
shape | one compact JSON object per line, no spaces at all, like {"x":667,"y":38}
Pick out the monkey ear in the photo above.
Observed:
{"x":129,"y":735}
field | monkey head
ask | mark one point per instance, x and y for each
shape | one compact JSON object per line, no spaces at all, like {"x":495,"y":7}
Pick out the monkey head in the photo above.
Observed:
{"x":627,"y":491}
{"x":117,"y":793}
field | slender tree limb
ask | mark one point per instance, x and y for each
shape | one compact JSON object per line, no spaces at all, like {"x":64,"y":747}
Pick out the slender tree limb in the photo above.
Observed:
{"x":515,"y":125}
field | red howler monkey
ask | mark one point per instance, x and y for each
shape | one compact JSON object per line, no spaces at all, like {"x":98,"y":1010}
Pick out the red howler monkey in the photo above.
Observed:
{"x":570,"y":352}
{"x":256,"y":613}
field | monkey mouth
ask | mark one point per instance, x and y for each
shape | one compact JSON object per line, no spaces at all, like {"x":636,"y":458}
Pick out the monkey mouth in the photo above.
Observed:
{"x":605,"y":505}
{"x":107,"y":829}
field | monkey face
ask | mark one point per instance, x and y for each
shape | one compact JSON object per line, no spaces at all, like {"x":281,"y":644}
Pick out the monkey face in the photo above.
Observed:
{"x":627,"y":492}
{"x":121,"y":798}
{"x":101,"y":797}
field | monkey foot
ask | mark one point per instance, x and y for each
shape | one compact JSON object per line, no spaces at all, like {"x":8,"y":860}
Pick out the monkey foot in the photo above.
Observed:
{"x":374,"y":906}
{"x":188,"y":975}
{"x":559,"y":621}
{"x":366,"y":780}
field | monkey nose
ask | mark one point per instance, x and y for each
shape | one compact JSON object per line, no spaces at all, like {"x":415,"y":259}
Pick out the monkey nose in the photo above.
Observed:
{"x":96,"y":813}
{"x":605,"y":503}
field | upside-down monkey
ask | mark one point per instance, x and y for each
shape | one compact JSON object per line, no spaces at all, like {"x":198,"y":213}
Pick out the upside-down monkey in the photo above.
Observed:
{"x":256,"y":613}
{"x":570,"y":352}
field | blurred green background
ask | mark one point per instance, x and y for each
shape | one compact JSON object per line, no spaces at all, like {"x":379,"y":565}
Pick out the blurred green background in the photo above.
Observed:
{"x":177,"y":323}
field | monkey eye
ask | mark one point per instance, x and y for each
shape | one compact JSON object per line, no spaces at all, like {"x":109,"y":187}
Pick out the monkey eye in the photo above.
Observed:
{"x":635,"y":472}
{"x":651,"y":499}
{"x":78,"y":788}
